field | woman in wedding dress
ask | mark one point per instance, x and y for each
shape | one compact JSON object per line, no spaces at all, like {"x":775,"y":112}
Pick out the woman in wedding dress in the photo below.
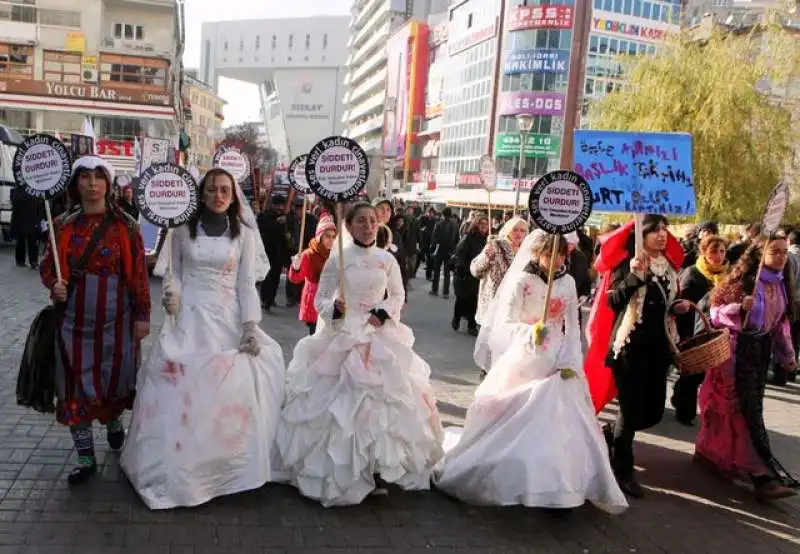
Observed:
{"x":359,"y":406}
{"x":530,"y":435}
{"x":209,"y":397}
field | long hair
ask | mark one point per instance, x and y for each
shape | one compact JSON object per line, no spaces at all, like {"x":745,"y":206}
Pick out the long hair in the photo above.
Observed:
{"x":474,"y":226}
{"x":234,"y":210}
{"x":74,"y":195}
{"x":743,"y":275}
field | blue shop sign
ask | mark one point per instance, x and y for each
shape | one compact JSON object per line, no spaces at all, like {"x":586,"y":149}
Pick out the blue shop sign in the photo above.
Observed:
{"x":541,"y":60}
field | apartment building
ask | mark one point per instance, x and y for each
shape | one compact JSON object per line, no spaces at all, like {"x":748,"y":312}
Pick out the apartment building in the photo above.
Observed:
{"x":111,"y":60}
{"x":204,"y":124}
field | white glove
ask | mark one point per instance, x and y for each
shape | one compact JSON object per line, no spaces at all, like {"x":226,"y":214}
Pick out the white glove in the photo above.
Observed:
{"x":296,"y":262}
{"x":249,"y":343}
{"x":171,"y":301}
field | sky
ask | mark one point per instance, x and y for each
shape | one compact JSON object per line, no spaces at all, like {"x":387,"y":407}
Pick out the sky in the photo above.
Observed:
{"x":243,"y":102}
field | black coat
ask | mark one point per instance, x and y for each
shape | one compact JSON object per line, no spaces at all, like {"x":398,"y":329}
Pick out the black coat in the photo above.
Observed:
{"x":274,"y":230}
{"x":464,"y":283}
{"x":27,"y":213}
{"x":578,"y":268}
{"x":445,"y":237}
{"x":693,"y":287}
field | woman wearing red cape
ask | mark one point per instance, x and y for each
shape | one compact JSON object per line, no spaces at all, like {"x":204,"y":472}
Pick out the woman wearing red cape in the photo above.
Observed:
{"x":629,"y":354}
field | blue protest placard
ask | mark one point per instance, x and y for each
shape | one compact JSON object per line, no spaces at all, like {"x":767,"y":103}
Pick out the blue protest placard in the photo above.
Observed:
{"x":637,"y":172}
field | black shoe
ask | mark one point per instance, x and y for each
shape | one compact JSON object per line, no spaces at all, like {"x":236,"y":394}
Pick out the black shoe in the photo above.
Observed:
{"x":116,"y":438}
{"x":21,"y":264}
{"x":631,"y":487}
{"x":80,"y":474}
{"x":433,"y":293}
{"x":473,"y":331}
{"x":558,"y":512}
{"x":482,"y":375}
{"x":792,"y":377}
{"x":34,"y":266}
{"x":446,"y":296}
{"x":456,"y":325}
{"x":684,"y":420}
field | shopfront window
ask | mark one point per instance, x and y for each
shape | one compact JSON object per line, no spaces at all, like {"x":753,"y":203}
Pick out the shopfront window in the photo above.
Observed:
{"x":149,"y":73}
{"x":120,"y":128}
{"x":62,"y":67}
{"x":16,"y":61}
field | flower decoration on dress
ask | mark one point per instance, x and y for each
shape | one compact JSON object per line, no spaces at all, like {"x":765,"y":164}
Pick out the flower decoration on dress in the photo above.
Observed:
{"x":526,"y":290}
{"x":557,"y":308}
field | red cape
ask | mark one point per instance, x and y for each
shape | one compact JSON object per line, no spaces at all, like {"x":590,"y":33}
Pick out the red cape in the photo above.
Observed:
{"x":613,"y":251}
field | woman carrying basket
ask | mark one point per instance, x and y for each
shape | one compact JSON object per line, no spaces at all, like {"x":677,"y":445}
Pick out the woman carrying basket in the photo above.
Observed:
{"x":631,"y":314}
{"x":696,"y":284}
{"x":753,"y":303}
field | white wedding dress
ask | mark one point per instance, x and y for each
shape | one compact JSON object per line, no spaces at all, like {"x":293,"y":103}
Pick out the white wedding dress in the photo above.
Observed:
{"x":530,"y":436}
{"x":205,"y":416}
{"x":358,"y":399}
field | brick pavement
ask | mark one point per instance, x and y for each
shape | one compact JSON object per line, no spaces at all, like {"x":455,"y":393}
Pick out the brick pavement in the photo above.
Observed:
{"x":685,"y":510}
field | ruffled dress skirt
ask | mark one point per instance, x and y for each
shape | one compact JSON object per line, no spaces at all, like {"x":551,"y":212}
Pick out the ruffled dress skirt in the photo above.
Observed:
{"x":358,"y":404}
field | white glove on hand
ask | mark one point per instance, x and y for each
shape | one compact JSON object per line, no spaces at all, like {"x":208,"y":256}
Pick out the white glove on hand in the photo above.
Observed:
{"x":296,"y":262}
{"x":171,"y":301}
{"x":249,"y":343}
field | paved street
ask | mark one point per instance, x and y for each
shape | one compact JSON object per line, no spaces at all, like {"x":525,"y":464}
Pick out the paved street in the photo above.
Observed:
{"x":685,"y":510}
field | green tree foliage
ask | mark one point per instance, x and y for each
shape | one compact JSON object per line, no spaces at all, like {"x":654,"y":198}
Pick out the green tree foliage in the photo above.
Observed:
{"x":716,"y":89}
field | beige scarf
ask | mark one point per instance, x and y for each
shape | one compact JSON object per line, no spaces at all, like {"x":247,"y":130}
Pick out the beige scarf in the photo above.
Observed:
{"x":659,"y":267}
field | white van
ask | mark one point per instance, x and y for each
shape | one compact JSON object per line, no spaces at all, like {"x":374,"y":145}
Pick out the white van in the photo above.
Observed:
{"x":9,"y":140}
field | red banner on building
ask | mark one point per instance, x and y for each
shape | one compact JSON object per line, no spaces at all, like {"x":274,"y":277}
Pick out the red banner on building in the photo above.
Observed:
{"x":540,"y":17}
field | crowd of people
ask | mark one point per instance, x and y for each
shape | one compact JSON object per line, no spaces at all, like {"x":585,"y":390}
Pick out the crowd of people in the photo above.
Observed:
{"x":217,"y":410}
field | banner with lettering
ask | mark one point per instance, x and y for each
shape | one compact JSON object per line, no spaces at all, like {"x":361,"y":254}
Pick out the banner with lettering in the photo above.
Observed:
{"x":637,"y":172}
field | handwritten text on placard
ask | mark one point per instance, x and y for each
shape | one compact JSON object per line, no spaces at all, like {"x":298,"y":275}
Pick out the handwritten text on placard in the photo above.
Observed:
{"x":637,"y":172}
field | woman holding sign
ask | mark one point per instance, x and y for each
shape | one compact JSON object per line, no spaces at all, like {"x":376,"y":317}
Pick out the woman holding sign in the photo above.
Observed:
{"x":754,"y":303}
{"x":530,"y":437}
{"x":632,"y":314}
{"x":106,"y":292}
{"x":360,"y":408}
{"x":210,"y":394}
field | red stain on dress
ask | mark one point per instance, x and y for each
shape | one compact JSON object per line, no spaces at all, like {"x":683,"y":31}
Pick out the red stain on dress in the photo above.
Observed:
{"x":231,"y":425}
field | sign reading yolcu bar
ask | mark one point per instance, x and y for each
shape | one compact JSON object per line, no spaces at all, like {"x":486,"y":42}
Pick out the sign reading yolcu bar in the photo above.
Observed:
{"x":540,"y":17}
{"x":104,"y":93}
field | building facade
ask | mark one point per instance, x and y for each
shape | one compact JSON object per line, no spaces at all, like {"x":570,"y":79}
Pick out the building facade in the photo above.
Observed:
{"x":372,"y":24}
{"x":111,"y":60}
{"x":624,"y":28}
{"x":204,"y":124}
{"x":298,"y":64}
{"x":473,"y":31}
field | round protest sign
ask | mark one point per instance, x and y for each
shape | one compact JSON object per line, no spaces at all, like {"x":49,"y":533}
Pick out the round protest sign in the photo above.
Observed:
{"x":232,"y":160}
{"x":337,"y":168}
{"x":488,"y":173}
{"x":776,"y":208}
{"x":42,"y":166}
{"x":560,"y":202}
{"x":166,"y":195}
{"x":297,"y":174}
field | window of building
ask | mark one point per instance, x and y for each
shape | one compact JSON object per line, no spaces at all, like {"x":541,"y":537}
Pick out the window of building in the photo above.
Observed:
{"x":60,"y":18}
{"x":324,"y":41}
{"x":241,"y":44}
{"x":16,"y":61}
{"x":225,"y":46}
{"x":62,"y":67}
{"x":274,"y":42}
{"x":128,"y":31}
{"x":308,"y":42}
{"x":120,"y":128}
{"x":291,"y":41}
{"x":258,"y":42}
{"x":23,"y":11}
{"x":134,"y":71}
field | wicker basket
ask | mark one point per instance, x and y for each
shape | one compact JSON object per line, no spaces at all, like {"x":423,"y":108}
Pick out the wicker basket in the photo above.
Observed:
{"x":708,"y":348}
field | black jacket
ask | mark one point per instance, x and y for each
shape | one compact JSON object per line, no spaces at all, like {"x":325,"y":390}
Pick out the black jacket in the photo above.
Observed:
{"x":464,"y":283}
{"x":578,"y":268}
{"x":26,"y":213}
{"x":694,"y":287}
{"x":445,"y":237}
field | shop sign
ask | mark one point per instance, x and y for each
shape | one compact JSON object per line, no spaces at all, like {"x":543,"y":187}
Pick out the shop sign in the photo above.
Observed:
{"x":540,"y":17}
{"x":604,"y":25}
{"x":542,"y":60}
{"x":109,"y":147}
{"x":104,"y":93}
{"x":75,"y":42}
{"x":439,"y":34}
{"x":532,"y":103}
{"x":476,"y":37}
{"x":537,"y":146}
{"x":470,"y":180}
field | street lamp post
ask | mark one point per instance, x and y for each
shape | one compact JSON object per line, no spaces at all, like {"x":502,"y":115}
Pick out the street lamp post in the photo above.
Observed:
{"x":525,"y":124}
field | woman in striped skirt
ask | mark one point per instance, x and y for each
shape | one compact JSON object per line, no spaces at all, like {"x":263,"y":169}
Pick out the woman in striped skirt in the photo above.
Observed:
{"x":106,"y":312}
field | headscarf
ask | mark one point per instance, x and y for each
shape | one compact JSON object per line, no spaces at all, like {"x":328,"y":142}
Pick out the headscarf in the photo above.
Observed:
{"x":613,"y":252}
{"x":508,"y":227}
